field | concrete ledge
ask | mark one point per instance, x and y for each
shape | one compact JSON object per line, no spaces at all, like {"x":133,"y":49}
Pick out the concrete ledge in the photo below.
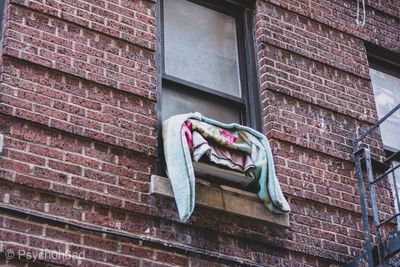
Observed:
{"x":224,"y":198}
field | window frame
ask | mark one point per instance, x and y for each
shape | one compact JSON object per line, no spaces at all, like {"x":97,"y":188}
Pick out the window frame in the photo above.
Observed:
{"x":250,"y":101}
{"x":386,"y":61}
{"x":3,"y":5}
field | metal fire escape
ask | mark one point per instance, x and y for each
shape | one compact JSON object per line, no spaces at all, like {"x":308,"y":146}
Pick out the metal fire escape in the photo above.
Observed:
{"x":381,"y":248}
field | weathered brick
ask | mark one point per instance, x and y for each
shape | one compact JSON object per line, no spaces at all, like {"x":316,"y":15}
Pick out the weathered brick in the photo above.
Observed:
{"x":319,"y":84}
{"x":75,"y":111}
{"x":380,"y":22}
{"x":71,"y":61}
{"x":78,"y":114}
{"x":309,"y":38}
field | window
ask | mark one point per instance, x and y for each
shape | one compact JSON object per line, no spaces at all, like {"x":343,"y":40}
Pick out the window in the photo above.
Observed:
{"x":207,"y":65}
{"x":2,"y":13}
{"x":385,"y":78}
{"x":387,"y":95}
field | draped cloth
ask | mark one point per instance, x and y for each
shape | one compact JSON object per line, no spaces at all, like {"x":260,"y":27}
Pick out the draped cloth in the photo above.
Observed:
{"x":234,"y":136}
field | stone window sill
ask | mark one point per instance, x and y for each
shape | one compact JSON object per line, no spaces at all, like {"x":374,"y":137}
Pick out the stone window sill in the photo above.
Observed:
{"x":224,"y":198}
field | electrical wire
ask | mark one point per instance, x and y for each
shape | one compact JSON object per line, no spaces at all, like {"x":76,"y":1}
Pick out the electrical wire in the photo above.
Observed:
{"x":360,"y":21}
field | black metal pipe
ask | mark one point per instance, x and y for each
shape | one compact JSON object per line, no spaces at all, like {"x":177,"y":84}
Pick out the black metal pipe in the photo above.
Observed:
{"x":376,"y":125}
{"x":385,"y":174}
{"x":394,"y":155}
{"x":374,"y":205}
{"x":388,"y":219}
{"x":396,"y":190}
{"x":363,"y":204}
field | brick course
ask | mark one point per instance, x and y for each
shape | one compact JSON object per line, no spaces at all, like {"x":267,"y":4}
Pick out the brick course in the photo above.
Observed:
{"x":78,"y":107}
{"x":78,"y":114}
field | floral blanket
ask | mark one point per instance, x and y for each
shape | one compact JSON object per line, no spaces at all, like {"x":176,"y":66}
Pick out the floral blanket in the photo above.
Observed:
{"x":179,"y":163}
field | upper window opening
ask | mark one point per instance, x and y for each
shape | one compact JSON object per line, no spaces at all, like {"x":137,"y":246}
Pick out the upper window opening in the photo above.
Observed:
{"x":201,"y":46}
{"x":2,"y":13}
{"x":387,"y":96}
{"x":204,"y":61}
{"x":385,"y":78}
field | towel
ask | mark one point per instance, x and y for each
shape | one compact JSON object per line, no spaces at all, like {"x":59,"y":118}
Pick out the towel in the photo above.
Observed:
{"x":180,"y":169}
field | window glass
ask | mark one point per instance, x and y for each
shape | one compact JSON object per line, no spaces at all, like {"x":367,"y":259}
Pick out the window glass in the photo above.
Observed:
{"x":2,"y":11}
{"x":387,"y":96}
{"x":394,"y":179}
{"x":181,"y":101}
{"x":200,"y":46}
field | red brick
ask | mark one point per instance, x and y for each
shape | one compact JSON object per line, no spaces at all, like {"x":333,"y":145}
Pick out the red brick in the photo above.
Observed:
{"x":121,"y":260}
{"x":22,"y":226}
{"x":100,"y":243}
{"x":57,"y":234}
{"x":46,"y":244}
{"x":79,"y":98}
{"x":69,"y":168}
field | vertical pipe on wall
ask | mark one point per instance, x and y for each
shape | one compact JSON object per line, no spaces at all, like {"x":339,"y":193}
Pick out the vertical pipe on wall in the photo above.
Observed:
{"x":368,"y":247}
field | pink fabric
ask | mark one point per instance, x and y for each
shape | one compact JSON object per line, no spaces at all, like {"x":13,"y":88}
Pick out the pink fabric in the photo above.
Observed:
{"x":221,"y":155}
{"x":187,"y":134}
{"x":236,"y":157}
{"x":228,"y":136}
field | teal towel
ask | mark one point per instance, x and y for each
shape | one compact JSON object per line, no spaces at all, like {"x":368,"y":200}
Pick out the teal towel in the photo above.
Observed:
{"x":180,"y":168}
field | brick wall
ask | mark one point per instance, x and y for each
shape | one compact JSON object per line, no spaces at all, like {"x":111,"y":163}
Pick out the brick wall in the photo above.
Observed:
{"x":78,"y":115}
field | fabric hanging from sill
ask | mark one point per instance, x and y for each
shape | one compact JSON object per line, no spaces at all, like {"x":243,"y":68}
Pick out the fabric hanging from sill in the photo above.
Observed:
{"x":179,"y":162}
{"x":216,"y":153}
{"x":220,"y":155}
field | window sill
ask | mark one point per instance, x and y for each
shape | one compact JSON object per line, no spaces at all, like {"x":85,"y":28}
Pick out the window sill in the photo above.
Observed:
{"x":224,"y":198}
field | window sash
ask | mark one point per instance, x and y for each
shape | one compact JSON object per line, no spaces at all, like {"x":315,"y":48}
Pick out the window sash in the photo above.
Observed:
{"x":202,"y":48}
{"x":2,"y":15}
{"x":385,"y":95}
{"x":243,"y":101}
{"x":242,"y":10}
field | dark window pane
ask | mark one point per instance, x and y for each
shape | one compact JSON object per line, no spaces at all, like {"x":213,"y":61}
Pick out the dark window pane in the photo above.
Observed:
{"x":387,"y":96}
{"x":2,"y":11}
{"x":175,"y":102}
{"x":200,"y":46}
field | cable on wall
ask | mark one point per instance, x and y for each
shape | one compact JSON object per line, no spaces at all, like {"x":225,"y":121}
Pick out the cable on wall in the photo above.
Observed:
{"x":360,"y":19}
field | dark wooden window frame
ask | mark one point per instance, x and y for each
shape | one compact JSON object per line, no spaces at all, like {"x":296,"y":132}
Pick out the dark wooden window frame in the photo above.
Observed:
{"x":252,"y":84}
{"x":250,"y":100}
{"x":387,"y":61}
{"x":3,"y":4}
